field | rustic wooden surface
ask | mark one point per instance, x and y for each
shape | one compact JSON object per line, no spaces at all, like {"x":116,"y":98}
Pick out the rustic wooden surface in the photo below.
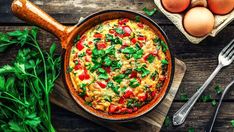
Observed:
{"x":200,"y":59}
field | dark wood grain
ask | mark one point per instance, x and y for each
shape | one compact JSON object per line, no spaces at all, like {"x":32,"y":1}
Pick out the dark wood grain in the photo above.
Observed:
{"x":200,"y":59}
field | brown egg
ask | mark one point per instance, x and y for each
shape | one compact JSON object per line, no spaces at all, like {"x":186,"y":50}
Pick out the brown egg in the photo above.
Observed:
{"x":199,"y":21}
{"x":221,"y":7}
{"x":175,"y":6}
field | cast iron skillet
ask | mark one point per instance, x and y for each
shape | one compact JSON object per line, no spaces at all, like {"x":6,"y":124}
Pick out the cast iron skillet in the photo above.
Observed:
{"x":31,"y":13}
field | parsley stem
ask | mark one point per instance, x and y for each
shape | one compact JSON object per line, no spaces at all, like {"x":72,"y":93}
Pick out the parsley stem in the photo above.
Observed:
{"x":9,"y":109}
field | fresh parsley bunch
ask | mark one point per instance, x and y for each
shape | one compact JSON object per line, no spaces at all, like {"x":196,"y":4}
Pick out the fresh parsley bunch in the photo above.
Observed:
{"x":26,"y":84}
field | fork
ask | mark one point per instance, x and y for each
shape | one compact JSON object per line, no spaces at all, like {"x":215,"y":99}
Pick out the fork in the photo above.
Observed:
{"x":226,"y":57}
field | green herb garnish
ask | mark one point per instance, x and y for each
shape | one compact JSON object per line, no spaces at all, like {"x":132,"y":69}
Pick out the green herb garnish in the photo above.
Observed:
{"x":164,"y":62}
{"x":206,"y":98}
{"x":167,"y":121}
{"x":183,"y":97}
{"x":191,"y":129}
{"x":119,"y":30}
{"x":213,"y":103}
{"x":137,"y":18}
{"x":151,"y":58}
{"x":134,"y":83}
{"x":26,"y":85}
{"x":128,"y":50}
{"x":114,"y":88}
{"x":218,"y":89}
{"x":119,"y":78}
{"x":149,"y":12}
{"x":232,"y":123}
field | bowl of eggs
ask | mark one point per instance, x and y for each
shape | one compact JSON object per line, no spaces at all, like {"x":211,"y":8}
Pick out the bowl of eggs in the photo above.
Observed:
{"x":198,"y":19}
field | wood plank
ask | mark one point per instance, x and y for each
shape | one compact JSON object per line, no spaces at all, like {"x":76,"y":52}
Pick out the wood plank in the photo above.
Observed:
{"x":81,"y":8}
{"x":200,"y":115}
{"x":201,"y":59}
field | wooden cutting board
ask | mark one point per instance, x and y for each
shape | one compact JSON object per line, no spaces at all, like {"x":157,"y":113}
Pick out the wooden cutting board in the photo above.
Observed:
{"x":153,"y":121}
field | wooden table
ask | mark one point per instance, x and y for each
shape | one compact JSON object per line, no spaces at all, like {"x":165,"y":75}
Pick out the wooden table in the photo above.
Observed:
{"x":200,"y":59}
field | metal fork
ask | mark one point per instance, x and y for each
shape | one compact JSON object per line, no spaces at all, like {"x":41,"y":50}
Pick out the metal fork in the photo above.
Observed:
{"x":226,"y":57}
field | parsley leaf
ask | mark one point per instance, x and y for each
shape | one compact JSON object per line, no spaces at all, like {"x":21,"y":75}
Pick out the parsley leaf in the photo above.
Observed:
{"x":183,"y":96}
{"x":149,"y":12}
{"x":213,"y":103}
{"x":119,"y":30}
{"x":218,"y":89}
{"x":206,"y":98}
{"x":191,"y":129}
{"x":232,"y":123}
{"x":150,"y":58}
{"x":119,"y":78}
{"x":164,"y":62}
{"x":134,"y":83}
{"x":137,"y":18}
{"x":167,"y":121}
{"x":114,"y":88}
{"x":128,"y":50}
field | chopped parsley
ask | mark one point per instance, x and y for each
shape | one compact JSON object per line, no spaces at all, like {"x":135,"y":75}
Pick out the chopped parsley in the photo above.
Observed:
{"x":114,"y":88}
{"x":119,"y":30}
{"x":108,"y":98}
{"x":151,"y":58}
{"x":213,"y":103}
{"x":206,"y":98}
{"x":83,"y":88}
{"x":82,"y":54}
{"x":119,"y":78}
{"x":161,"y":44}
{"x":69,"y":69}
{"x":164,"y":62}
{"x":183,"y":97}
{"x":232,"y":123}
{"x":137,"y":18}
{"x":77,"y":38}
{"x":134,"y":83}
{"x":138,"y":54}
{"x":153,"y":75}
{"x":149,"y":12}
{"x":128,"y":50}
{"x":218,"y":89}
{"x":144,"y":72}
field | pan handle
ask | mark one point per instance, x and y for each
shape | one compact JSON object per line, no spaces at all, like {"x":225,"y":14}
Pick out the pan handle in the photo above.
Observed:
{"x":31,"y":13}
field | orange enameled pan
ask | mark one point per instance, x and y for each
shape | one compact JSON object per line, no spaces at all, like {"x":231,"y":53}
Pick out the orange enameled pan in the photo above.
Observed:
{"x":31,"y":13}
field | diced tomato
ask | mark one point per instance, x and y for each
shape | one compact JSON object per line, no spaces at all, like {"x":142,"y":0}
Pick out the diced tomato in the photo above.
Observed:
{"x":121,"y":100}
{"x":123,"y":110}
{"x":89,"y":52}
{"x":123,"y":46}
{"x":107,"y":69}
{"x":77,"y":67}
{"x":113,"y":108}
{"x":140,"y":25}
{"x":133,"y":74}
{"x":111,"y":31}
{"x":87,"y":59}
{"x":127,"y":94}
{"x":153,"y":93}
{"x":135,"y":109}
{"x":141,"y":38}
{"x":102,"y":84}
{"x":155,"y":53}
{"x":90,"y":42}
{"x":162,"y":77}
{"x":101,"y":46}
{"x":139,"y":80}
{"x":142,"y":97}
{"x":127,"y":30}
{"x":129,"y":110}
{"x":79,"y":45}
{"x":82,"y":77}
{"x":97,"y":35}
{"x":83,"y":38}
{"x":133,"y":40}
{"x":123,"y":21}
{"x":107,"y":80}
